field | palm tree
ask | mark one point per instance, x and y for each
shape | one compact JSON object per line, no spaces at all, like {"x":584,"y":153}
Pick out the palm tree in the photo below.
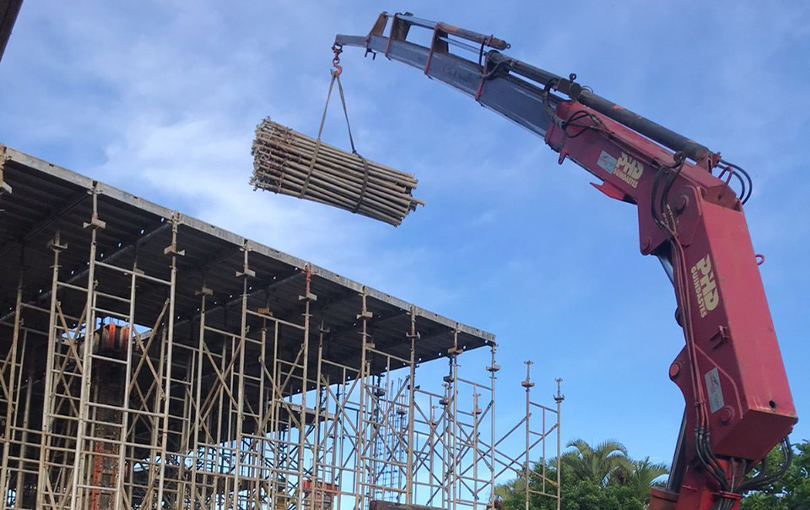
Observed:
{"x":642,"y":475}
{"x":509,"y":495}
{"x":599,"y":464}
{"x":505,"y":490}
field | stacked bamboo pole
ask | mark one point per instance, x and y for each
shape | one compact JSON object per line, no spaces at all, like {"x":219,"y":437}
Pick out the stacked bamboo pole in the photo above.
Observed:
{"x":288,"y":162}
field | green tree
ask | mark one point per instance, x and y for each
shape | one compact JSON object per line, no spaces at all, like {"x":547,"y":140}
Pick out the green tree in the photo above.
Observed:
{"x":576,"y":494}
{"x":792,"y":491}
{"x":586,"y":495}
{"x":602,"y":477}
{"x":598,"y":464}
{"x":641,"y":475}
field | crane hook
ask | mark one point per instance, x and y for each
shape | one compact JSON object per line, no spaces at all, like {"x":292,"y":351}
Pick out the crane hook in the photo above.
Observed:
{"x":337,"y":49}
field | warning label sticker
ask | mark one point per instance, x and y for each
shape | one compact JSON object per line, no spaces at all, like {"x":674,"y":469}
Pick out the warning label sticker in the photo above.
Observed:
{"x":714,"y":390}
{"x":606,"y":162}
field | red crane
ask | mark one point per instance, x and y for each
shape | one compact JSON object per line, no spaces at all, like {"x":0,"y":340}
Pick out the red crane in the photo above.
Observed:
{"x":731,"y":373}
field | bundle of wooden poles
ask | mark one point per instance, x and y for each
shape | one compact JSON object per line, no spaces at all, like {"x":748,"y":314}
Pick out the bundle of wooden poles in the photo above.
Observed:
{"x":288,"y":162}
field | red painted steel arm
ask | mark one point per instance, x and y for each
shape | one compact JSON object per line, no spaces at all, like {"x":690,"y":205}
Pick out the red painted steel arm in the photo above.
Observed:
{"x":738,"y":403}
{"x":730,"y":371}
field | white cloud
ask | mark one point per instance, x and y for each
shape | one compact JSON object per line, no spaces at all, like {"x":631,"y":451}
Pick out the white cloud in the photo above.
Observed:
{"x":160,"y":98}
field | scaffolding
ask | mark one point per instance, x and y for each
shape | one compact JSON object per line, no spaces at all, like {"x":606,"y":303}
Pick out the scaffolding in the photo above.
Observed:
{"x":149,"y":360}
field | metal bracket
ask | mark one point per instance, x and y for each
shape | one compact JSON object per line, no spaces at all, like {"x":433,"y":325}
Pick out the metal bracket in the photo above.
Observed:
{"x":56,"y":244}
{"x":559,"y":397}
{"x":528,"y":382}
{"x":95,"y":222}
{"x":719,"y":337}
{"x":246,"y":272}
{"x":204,"y":291}
{"x":172,"y":250}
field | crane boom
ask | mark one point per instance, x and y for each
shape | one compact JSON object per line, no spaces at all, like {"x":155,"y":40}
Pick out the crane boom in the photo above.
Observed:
{"x":730,"y":371}
{"x":505,"y":89}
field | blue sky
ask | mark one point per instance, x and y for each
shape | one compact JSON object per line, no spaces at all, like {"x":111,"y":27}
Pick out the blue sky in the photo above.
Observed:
{"x":161,"y":99}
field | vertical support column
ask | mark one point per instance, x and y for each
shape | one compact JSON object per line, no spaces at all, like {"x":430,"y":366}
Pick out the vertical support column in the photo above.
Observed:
{"x":48,"y":396}
{"x":199,"y":459}
{"x":122,"y":466}
{"x":307,"y":298}
{"x":453,"y":425}
{"x":558,"y":398}
{"x":244,"y":274}
{"x":277,"y":493}
{"x":23,"y":471}
{"x":337,"y":434}
{"x":173,"y":252}
{"x":217,"y":444}
{"x":474,"y":448}
{"x":493,"y":369}
{"x":361,"y":467}
{"x":263,"y":483}
{"x":528,"y":384}
{"x":181,"y":490}
{"x":9,"y":380}
{"x":80,"y":459}
{"x":409,"y":477}
{"x":444,"y":439}
{"x":318,"y":449}
{"x":434,"y":441}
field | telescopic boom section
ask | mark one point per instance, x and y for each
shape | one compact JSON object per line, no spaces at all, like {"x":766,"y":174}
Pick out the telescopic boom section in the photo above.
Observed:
{"x":731,"y":373}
